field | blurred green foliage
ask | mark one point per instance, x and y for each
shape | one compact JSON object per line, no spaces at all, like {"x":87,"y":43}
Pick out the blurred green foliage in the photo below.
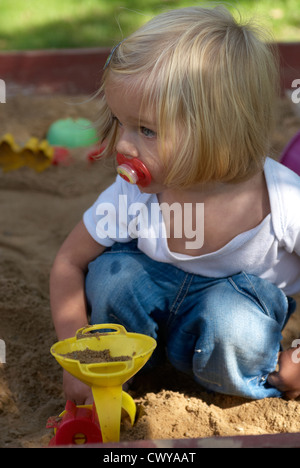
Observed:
{"x":44,"y":24}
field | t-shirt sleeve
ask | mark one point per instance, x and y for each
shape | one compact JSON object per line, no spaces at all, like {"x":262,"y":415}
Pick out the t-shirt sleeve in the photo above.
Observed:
{"x":285,"y":203}
{"x":293,"y":237}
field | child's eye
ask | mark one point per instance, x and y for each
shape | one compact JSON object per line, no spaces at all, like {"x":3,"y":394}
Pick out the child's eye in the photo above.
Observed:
{"x":147,"y":132}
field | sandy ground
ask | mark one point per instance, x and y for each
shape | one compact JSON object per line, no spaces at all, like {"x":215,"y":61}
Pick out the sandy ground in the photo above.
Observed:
{"x":37,"y":212}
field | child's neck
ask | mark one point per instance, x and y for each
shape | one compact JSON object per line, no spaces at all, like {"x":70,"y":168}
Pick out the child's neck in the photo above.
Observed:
{"x":229,"y":210}
{"x":214,"y":189}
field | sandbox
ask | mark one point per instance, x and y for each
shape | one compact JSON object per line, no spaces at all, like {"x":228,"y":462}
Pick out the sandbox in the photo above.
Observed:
{"x":37,"y":212}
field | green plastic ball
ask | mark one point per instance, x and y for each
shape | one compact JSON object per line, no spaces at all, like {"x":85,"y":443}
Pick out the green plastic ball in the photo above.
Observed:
{"x":72,"y":133}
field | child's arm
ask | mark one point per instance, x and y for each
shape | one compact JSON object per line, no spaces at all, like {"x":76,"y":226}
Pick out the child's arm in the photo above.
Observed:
{"x":67,"y":296}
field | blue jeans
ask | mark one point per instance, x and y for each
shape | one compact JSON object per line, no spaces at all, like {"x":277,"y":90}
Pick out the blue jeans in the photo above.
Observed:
{"x":226,"y":332}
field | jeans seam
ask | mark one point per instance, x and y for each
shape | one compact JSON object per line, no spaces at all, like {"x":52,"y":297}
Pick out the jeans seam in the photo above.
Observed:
{"x":259,"y":298}
{"x":179,"y":293}
{"x":202,"y":379}
{"x":122,"y":251}
{"x":260,"y":301}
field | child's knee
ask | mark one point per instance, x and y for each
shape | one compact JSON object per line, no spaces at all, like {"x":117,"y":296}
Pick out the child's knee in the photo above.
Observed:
{"x":233,"y":342}
{"x":120,"y":290}
{"x":109,"y":271}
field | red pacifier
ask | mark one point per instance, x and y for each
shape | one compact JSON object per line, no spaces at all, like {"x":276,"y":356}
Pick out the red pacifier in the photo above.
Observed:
{"x":133,"y":171}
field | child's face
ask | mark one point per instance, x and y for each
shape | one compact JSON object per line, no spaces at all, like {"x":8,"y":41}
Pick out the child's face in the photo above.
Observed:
{"x":137,"y":130}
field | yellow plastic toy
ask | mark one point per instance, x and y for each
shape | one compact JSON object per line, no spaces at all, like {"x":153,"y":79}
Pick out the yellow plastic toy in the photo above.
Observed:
{"x":106,"y":378}
{"x":37,"y":155}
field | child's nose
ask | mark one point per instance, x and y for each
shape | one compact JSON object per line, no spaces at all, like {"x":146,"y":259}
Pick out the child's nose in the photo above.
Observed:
{"x":126,"y":146}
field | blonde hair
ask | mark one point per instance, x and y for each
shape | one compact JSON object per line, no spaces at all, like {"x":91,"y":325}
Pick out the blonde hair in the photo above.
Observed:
{"x":212,"y":81}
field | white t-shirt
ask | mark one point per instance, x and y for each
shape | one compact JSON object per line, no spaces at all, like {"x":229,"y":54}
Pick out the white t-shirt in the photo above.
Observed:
{"x":271,"y":250}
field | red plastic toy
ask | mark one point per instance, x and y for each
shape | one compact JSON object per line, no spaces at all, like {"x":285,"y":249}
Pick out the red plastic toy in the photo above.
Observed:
{"x":95,"y":154}
{"x":61,"y":157}
{"x":77,"y":425}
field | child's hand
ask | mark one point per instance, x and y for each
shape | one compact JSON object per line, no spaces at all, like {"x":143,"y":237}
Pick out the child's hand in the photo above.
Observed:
{"x":76,"y":391}
{"x":287,"y":379}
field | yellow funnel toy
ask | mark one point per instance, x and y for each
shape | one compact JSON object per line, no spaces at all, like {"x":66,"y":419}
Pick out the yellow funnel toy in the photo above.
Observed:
{"x":105,"y":378}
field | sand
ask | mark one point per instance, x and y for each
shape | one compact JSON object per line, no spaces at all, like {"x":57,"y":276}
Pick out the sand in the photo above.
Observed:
{"x":37,"y":212}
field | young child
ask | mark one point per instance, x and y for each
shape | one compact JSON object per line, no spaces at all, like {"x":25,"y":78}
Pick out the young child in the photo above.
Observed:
{"x":201,"y":250}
